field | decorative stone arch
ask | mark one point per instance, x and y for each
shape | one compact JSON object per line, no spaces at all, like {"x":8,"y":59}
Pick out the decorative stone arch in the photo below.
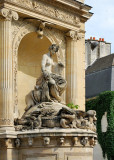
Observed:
{"x":25,"y":29}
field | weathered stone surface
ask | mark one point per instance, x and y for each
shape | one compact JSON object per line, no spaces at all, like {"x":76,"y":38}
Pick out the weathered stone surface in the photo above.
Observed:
{"x":51,"y":114}
{"x":59,"y":144}
{"x":42,"y":135}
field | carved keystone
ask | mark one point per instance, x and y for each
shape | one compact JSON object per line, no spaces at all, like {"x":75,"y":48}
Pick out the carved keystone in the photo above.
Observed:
{"x":40,"y":30}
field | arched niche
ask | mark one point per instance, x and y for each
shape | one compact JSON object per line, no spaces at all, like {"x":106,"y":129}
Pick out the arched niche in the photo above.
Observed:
{"x":30,"y":52}
{"x":26,"y":33}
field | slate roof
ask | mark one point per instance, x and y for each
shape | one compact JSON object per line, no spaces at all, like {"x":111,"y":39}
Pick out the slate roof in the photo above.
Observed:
{"x":100,"y":64}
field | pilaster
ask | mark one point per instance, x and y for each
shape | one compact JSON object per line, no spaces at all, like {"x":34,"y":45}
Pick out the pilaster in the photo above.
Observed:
{"x":74,"y":73}
{"x":6,"y":74}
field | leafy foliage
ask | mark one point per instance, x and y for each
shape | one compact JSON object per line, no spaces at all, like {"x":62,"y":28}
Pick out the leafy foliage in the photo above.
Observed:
{"x":72,"y":106}
{"x":104,"y":103}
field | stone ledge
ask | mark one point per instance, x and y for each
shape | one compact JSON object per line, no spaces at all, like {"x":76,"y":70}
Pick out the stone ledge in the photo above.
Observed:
{"x":56,"y":132}
{"x":47,"y":132}
{"x":50,"y":138}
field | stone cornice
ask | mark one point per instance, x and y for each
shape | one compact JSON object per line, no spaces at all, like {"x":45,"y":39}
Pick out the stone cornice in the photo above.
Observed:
{"x":60,"y":138}
{"x":68,"y":12}
{"x":69,"y":3}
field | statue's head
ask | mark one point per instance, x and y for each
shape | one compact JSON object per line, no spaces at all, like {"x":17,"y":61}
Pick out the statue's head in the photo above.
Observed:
{"x":53,"y":48}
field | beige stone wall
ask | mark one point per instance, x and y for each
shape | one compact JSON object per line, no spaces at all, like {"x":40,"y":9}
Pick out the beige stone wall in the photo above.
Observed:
{"x":47,"y":153}
{"x":62,"y":153}
{"x":49,"y":144}
{"x":8,"y":154}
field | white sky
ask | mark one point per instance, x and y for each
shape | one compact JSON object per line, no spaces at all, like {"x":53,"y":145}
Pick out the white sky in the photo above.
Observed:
{"x":101,"y":24}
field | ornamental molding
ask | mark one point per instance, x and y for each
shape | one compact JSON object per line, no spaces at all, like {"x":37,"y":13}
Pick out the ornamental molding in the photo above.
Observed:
{"x":8,"y":15}
{"x":58,"y":11}
{"x":4,"y":121}
{"x":22,"y":30}
{"x":74,"y":35}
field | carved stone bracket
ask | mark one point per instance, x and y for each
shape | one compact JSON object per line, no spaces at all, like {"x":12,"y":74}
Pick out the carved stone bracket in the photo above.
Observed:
{"x":30,"y":141}
{"x":75,"y":141}
{"x":84,"y":141}
{"x":8,"y":14}
{"x":62,"y":140}
{"x":17,"y":143}
{"x":92,"y":141}
{"x":6,"y":143}
{"x":46,"y":140}
{"x":74,"y":35}
{"x":40,"y":30}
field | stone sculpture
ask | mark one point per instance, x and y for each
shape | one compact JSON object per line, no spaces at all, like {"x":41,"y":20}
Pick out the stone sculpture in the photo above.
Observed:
{"x":43,"y":103}
{"x":49,"y":86}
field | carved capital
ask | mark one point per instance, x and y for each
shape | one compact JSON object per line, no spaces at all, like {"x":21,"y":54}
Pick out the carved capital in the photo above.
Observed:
{"x":8,"y":15}
{"x":74,"y":35}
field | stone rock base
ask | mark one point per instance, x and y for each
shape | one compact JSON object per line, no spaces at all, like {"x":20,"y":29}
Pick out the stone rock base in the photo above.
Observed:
{"x":48,"y":144}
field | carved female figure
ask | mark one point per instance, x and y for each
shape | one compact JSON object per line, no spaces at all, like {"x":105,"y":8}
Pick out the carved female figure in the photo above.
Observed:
{"x":49,"y":86}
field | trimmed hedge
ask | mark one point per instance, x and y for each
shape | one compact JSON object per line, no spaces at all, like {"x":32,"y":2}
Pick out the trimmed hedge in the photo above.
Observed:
{"x":104,"y":103}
